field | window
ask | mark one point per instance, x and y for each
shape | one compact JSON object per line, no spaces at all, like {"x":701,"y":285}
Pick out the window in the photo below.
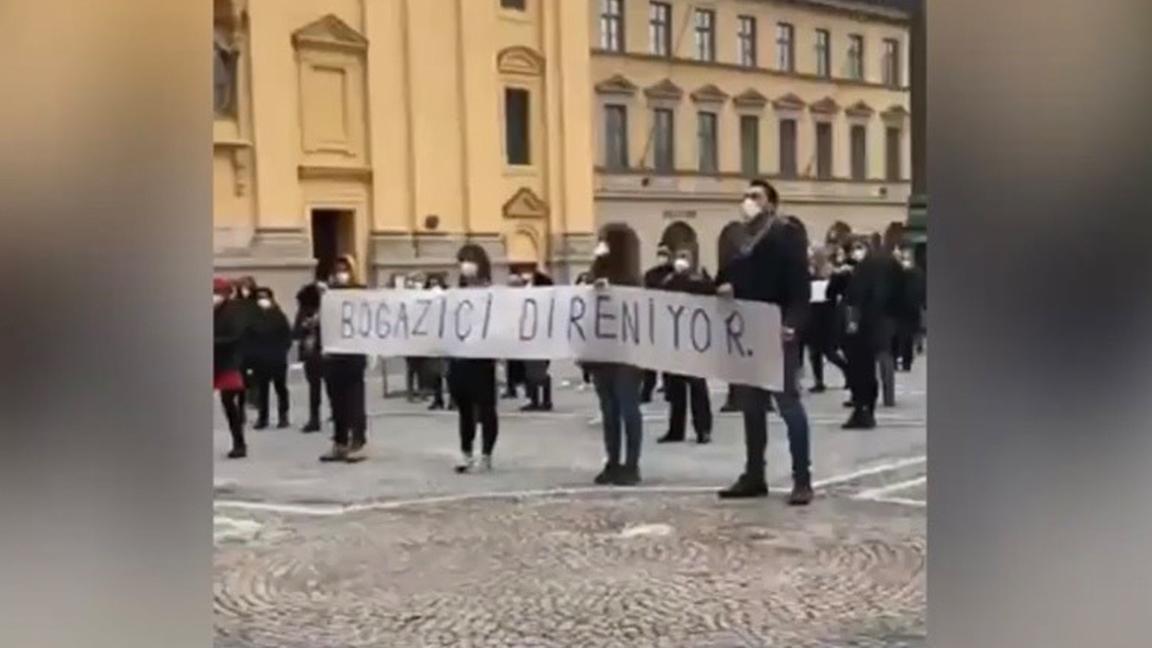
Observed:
{"x":224,"y":70}
{"x":664,"y":136}
{"x":612,"y":25}
{"x":891,"y":62}
{"x":823,"y":53}
{"x":856,"y":56}
{"x":616,"y":137}
{"x":660,"y":28}
{"x":788,"y":147}
{"x":893,"y":138}
{"x":747,"y":37}
{"x":823,"y":150}
{"x":750,"y":145}
{"x":785,"y":59}
{"x":705,"y":35}
{"x":518,"y":5}
{"x":859,"y":152}
{"x":706,"y":136}
{"x":517,"y":140}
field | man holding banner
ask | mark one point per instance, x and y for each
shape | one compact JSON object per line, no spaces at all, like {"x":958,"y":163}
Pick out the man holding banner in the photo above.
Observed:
{"x":772,"y":266}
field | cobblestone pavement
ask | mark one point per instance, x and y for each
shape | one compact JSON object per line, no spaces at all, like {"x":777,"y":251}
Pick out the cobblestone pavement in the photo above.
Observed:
{"x":428,"y":558}
{"x":627,"y":571}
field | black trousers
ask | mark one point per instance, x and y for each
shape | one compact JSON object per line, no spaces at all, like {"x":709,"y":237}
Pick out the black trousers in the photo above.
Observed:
{"x":538,"y":382}
{"x":271,"y":373}
{"x":515,"y":374}
{"x":472,"y":384}
{"x":904,"y":346}
{"x":233,"y":402}
{"x":314,"y":372}
{"x":680,"y":391}
{"x":818,"y":350}
{"x":346,"y":395}
{"x":647,"y":385}
{"x":862,"y":379}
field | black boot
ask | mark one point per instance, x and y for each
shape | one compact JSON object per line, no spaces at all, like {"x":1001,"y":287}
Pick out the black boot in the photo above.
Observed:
{"x":283,"y":422}
{"x":703,"y":438}
{"x":670,"y":438}
{"x":746,"y":486}
{"x":629,"y":475}
{"x":801,"y":491}
{"x":262,"y":424}
{"x":312,"y":426}
{"x":608,"y":475}
{"x":238,"y":452}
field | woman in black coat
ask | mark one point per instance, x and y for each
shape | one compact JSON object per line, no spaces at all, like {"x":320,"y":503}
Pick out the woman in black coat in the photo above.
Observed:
{"x":820,"y":333}
{"x":472,"y":382}
{"x":227,"y":329}
{"x":306,"y":331}
{"x":271,"y":342}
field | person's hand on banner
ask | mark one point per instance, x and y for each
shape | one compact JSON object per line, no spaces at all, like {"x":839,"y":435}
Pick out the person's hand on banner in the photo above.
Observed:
{"x":724,"y":290}
{"x":601,"y":283}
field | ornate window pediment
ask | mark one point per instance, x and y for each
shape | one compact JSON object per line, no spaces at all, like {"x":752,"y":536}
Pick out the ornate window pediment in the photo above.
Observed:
{"x":666,"y":89}
{"x":859,"y":109}
{"x":525,"y":204}
{"x":826,"y":106}
{"x":616,"y":85}
{"x":750,"y":98}
{"x":709,"y":94}
{"x":331,"y":33}
{"x":788,"y":101}
{"x":520,"y":60}
{"x":895,"y":113}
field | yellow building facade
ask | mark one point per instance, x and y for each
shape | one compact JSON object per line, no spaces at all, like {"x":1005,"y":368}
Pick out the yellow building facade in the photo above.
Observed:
{"x":401,"y":131}
{"x":692,"y":98}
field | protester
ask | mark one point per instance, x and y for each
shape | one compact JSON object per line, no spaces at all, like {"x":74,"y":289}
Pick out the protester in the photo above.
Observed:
{"x":680,"y":389}
{"x":306,"y":331}
{"x":868,"y":306}
{"x":820,"y":333}
{"x":472,"y":382}
{"x":414,"y":366}
{"x":271,"y":342}
{"x":771,"y":266}
{"x":515,"y":371}
{"x":435,"y":368}
{"x":245,"y":295}
{"x":908,"y":325}
{"x":893,"y":308}
{"x":344,"y":376}
{"x":654,"y":278}
{"x":227,"y":329}
{"x":617,"y":384}
{"x":537,"y":380}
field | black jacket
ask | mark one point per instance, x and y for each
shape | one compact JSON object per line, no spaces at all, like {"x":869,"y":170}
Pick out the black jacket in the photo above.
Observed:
{"x":655,"y":276}
{"x":693,"y":283}
{"x":271,"y":336}
{"x":773,"y":268}
{"x":227,"y":329}
{"x":874,"y":299}
{"x":246,"y":311}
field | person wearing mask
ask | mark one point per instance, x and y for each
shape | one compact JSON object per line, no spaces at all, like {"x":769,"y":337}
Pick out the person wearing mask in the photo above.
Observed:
{"x":772,"y":267}
{"x":537,"y":380}
{"x":820,"y":333}
{"x":867,"y":326}
{"x":678,"y":389}
{"x":434,"y":368}
{"x":227,"y":329}
{"x":617,"y":385}
{"x":306,"y":331}
{"x":654,"y":279}
{"x":245,"y":295}
{"x":908,"y":325}
{"x":344,"y":376}
{"x":893,"y":307}
{"x":842,"y":265}
{"x":414,"y":366}
{"x":472,"y":383}
{"x":272,"y":340}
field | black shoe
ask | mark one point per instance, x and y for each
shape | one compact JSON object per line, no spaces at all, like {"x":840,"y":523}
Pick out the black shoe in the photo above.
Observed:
{"x":530,"y":407}
{"x":801,"y":492}
{"x":668,"y":438}
{"x":311,"y":426}
{"x":704,"y":438}
{"x":745,"y":487}
{"x":260,"y":425}
{"x":818,"y":389}
{"x":889,"y":403}
{"x":861,"y":419}
{"x":238,"y":453}
{"x":337,"y":453}
{"x":436,"y":405}
{"x":849,"y":404}
{"x":283,"y":424}
{"x":356,"y":452}
{"x":608,"y":475}
{"x":628,"y":476}
{"x":546,"y":407}
{"x":730,"y":407}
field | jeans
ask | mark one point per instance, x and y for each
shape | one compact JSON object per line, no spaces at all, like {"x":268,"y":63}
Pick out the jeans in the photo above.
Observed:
{"x":754,"y":403}
{"x":887,"y":366}
{"x":618,"y":389}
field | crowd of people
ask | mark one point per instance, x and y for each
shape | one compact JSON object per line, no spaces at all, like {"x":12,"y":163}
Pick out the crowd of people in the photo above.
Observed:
{"x":854,"y":301}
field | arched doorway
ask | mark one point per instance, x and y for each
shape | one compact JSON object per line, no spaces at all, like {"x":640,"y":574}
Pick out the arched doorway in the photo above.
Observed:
{"x":681,"y":236}
{"x":728,"y":244}
{"x":477,"y":254}
{"x":623,"y":239}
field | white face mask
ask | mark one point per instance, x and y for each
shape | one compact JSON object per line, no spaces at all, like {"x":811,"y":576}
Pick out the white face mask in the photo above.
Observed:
{"x":662,"y":259}
{"x":343,"y":277}
{"x":245,"y":293}
{"x":750,"y":208}
{"x":217,"y":299}
{"x":527,"y":277}
{"x":468,"y":268}
{"x":907,"y":263}
{"x":264,"y":303}
{"x":858,"y":254}
{"x":681,"y":265}
{"x":601,"y":249}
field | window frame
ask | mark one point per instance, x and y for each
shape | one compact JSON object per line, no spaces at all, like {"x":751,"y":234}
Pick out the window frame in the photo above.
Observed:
{"x":509,"y":90}
{"x":858,"y":158}
{"x":747,"y":47}
{"x":611,"y":161}
{"x":856,"y":57}
{"x":519,"y":5}
{"x":788,"y":161}
{"x":750,"y":168}
{"x":708,"y":151}
{"x":825,"y":164}
{"x":705,"y":34}
{"x":891,"y":69}
{"x":785,"y":47}
{"x":661,"y":10}
{"x":612,"y":40}
{"x":660,"y":164}
{"x":824,"y":53}
{"x":894,"y":154}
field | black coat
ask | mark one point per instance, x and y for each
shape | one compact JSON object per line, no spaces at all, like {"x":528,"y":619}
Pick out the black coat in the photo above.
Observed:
{"x":271,"y":336}
{"x":874,"y":300}
{"x":693,"y":283}
{"x":773,"y":268}
{"x":227,"y":330}
{"x":655,"y":276}
{"x":247,"y":312}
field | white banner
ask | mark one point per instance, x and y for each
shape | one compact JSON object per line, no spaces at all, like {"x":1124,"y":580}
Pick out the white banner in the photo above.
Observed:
{"x":730,"y":340}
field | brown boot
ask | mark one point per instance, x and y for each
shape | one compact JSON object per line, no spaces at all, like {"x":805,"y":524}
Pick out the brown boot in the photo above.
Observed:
{"x":801,"y":492}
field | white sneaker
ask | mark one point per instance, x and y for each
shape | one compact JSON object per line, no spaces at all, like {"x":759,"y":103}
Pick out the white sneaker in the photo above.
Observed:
{"x":467,"y":464}
{"x":486,"y":463}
